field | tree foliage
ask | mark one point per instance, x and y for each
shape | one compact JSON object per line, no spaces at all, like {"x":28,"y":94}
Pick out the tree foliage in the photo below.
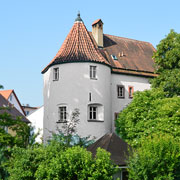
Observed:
{"x":168,"y":81}
{"x":158,"y":158}
{"x":150,"y":112}
{"x":55,"y":161}
{"x":167,"y":55}
{"x":21,"y":135}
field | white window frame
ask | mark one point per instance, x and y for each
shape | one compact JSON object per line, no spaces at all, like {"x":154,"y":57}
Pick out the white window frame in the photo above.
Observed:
{"x":93,"y":72}
{"x":62,"y":113}
{"x":120,"y":91}
{"x":55,"y":74}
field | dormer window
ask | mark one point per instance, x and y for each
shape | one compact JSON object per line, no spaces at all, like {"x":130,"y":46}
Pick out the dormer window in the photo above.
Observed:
{"x":56,"y":74}
{"x":114,"y":57}
{"x":93,"y":72}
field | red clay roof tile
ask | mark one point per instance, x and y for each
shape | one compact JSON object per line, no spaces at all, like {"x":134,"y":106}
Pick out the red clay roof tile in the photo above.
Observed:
{"x":133,"y":56}
{"x":78,"y":46}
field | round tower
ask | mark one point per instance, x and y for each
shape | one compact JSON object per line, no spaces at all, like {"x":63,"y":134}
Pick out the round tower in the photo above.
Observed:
{"x":78,"y":77}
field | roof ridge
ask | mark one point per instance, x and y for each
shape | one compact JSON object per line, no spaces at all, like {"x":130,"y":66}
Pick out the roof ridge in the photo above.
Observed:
{"x":126,"y":38}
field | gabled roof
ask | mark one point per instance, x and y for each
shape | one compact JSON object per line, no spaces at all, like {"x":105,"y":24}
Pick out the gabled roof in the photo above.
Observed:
{"x":6,"y":94}
{"x":113,"y":144}
{"x":131,"y":54}
{"x":78,"y":47}
{"x":11,"y":110}
{"x":133,"y":57}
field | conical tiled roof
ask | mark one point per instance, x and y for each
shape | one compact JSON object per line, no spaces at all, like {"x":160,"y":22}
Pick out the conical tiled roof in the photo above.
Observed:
{"x":78,"y":47}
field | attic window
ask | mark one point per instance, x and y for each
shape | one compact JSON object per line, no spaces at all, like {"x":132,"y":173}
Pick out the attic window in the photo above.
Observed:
{"x":114,"y":57}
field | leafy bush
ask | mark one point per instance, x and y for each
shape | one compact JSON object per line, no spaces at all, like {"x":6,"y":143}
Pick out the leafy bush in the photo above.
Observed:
{"x":168,"y":81}
{"x":158,"y":158}
{"x":150,"y":112}
{"x":55,"y":161}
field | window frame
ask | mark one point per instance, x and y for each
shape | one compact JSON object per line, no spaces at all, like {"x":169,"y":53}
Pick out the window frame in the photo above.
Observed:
{"x":63,"y":118}
{"x":55,"y":74}
{"x":93,"y":72}
{"x":118,"y":92}
{"x":130,"y":91}
{"x":92,"y":116}
{"x":99,"y":112}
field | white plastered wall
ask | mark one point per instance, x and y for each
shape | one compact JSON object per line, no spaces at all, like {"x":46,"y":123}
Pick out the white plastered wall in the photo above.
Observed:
{"x":12,"y":99}
{"x":36,"y":119}
{"x":137,"y":82}
{"x":72,"y":89}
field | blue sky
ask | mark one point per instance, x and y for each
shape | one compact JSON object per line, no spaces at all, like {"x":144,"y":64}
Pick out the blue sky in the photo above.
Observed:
{"x":32,"y":31}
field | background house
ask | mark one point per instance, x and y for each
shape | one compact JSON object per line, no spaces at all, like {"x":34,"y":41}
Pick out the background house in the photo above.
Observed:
{"x":10,"y":95}
{"x":29,"y":109}
{"x":36,"y":119}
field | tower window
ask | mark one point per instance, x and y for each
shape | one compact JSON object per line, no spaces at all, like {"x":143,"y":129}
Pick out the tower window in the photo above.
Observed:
{"x":120,"y":91}
{"x":92,"y":112}
{"x":95,"y":112}
{"x":56,"y":74}
{"x":92,"y":72}
{"x":131,"y":91}
{"x":62,"y":113}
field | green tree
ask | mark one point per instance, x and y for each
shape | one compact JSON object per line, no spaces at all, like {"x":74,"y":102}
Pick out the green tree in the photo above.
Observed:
{"x":1,"y":86}
{"x":167,"y":55}
{"x":158,"y":158}
{"x":55,"y":161}
{"x":168,"y":81}
{"x":22,"y":131}
{"x":150,"y":112}
{"x":4,"y":157}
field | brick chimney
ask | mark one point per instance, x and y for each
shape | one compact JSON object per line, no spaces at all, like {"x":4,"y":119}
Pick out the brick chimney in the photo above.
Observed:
{"x":97,"y":32}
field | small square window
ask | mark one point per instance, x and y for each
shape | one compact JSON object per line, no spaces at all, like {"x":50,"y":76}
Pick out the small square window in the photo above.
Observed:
{"x":92,"y":72}
{"x":56,"y":74}
{"x":114,"y":57}
{"x":120,"y":91}
{"x":131,"y":91}
{"x":62,"y":114}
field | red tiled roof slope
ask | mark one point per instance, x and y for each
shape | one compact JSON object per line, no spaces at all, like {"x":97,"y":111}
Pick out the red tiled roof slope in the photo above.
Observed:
{"x":133,"y":57}
{"x":78,"y":46}
{"x":6,"y":93}
{"x":11,"y":110}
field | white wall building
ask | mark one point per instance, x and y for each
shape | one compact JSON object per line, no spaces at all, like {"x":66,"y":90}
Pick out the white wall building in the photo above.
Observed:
{"x":96,"y":73}
{"x":36,"y":119}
